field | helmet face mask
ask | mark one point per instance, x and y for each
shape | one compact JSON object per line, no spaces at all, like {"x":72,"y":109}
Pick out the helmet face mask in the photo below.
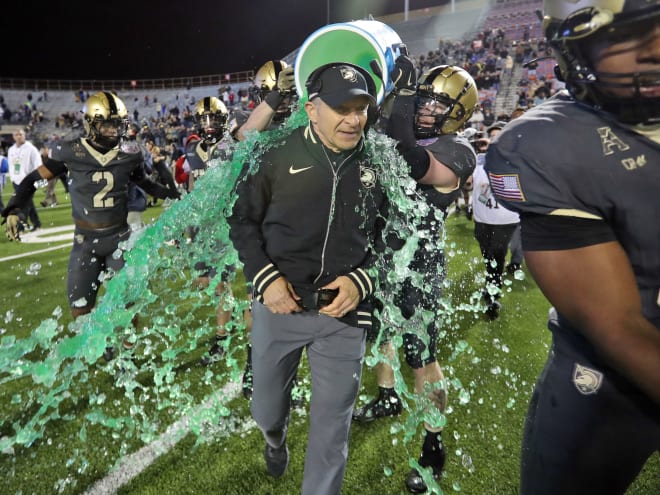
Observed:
{"x":597,"y":43}
{"x":105,"y":119}
{"x":446,"y":98}
{"x":211,"y":117}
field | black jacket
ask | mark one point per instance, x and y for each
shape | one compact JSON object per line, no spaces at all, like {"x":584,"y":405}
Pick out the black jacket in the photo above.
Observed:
{"x":310,"y":215}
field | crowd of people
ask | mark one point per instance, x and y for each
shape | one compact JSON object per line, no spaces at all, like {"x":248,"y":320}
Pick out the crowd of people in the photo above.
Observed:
{"x":314,"y":281}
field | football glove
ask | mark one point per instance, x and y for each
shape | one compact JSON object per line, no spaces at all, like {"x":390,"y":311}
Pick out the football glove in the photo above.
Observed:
{"x":404,"y":76}
{"x":285,"y":81}
{"x":13,"y":227}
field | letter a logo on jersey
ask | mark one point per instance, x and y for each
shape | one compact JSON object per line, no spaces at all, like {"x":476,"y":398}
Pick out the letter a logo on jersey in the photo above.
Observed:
{"x":586,"y":380}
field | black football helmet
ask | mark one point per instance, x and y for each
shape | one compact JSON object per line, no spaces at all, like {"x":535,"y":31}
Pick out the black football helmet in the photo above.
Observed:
{"x":210,"y":119}
{"x":450,"y":88}
{"x":105,"y":109}
{"x":572,"y":27}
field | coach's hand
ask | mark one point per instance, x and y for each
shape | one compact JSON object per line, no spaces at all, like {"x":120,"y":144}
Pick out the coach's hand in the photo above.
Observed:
{"x":280,"y":297}
{"x":346,"y":299}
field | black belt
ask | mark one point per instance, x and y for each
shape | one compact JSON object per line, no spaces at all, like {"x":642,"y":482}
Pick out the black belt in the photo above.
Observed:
{"x":312,"y":300}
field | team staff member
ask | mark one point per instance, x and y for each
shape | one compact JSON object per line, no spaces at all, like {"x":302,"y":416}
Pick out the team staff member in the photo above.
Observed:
{"x":425,"y":120}
{"x":309,"y":272}
{"x":582,"y":171}
{"x":100,"y":167}
{"x":24,"y":158}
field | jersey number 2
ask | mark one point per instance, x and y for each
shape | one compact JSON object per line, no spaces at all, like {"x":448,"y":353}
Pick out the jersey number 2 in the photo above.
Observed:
{"x":100,"y":200}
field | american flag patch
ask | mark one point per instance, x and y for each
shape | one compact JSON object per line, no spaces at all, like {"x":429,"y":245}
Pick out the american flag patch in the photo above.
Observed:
{"x":506,"y":186}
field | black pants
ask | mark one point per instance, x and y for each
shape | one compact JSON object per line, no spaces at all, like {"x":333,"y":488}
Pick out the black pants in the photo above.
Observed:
{"x":587,"y":429}
{"x":494,"y":244}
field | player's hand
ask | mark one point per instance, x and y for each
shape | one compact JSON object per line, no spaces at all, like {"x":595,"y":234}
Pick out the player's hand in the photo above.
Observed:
{"x":12,"y":227}
{"x":404,"y":76}
{"x":173,"y":193}
{"x":285,"y":81}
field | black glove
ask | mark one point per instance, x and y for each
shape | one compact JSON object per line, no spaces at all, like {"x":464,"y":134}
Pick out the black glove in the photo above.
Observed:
{"x":13,"y":227}
{"x":404,"y":76}
{"x":173,"y":193}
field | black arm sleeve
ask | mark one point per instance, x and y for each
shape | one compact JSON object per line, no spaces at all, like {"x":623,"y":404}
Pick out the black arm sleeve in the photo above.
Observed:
{"x":400,"y":126}
{"x":156,"y":190}
{"x":23,"y":193}
{"x":140,"y":178}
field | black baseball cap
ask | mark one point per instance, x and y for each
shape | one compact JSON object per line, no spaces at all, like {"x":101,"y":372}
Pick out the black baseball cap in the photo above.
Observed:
{"x":338,"y":84}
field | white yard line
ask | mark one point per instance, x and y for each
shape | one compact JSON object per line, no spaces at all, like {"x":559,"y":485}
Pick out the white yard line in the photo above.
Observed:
{"x":134,"y":464}
{"x":32,"y":253}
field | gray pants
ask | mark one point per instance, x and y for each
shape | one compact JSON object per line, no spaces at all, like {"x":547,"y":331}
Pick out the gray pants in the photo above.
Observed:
{"x":334,"y":351}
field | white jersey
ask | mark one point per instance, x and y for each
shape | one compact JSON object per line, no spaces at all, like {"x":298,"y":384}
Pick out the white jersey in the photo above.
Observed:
{"x":485,"y":208}
{"x":22,"y":161}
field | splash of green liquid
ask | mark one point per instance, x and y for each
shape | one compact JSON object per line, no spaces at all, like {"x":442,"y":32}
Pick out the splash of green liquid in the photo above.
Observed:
{"x":148,"y":385}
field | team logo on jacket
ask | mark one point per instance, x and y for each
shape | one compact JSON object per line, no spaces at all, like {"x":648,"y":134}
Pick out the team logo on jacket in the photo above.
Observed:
{"x":586,"y":380}
{"x":367,"y":177}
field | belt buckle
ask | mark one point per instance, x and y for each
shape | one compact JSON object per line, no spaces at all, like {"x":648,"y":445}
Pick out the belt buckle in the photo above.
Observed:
{"x":324,"y":297}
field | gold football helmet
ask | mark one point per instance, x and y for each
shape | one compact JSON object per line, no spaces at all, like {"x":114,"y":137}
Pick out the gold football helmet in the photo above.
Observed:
{"x":211,"y":117}
{"x":266,"y":80}
{"x":266,"y":77}
{"x":572,"y":27}
{"x":105,"y":110}
{"x":446,"y":98}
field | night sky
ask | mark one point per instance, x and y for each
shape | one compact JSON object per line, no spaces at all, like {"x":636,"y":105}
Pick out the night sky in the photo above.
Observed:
{"x":146,"y":39}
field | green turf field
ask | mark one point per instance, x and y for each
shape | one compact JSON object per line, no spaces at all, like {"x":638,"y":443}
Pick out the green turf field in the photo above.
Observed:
{"x":491,"y":368}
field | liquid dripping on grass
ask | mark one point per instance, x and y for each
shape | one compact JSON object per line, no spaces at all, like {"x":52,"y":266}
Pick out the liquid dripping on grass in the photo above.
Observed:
{"x":160,"y":324}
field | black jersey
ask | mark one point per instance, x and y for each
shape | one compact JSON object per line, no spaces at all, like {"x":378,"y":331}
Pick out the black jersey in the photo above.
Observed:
{"x":564,"y":159}
{"x":98,"y":182}
{"x":199,"y":155}
{"x":448,"y":148}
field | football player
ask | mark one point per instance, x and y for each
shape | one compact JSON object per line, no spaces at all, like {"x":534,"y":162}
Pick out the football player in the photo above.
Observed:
{"x":582,"y":171}
{"x":425,"y":119}
{"x":206,"y":145}
{"x":100,"y":165}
